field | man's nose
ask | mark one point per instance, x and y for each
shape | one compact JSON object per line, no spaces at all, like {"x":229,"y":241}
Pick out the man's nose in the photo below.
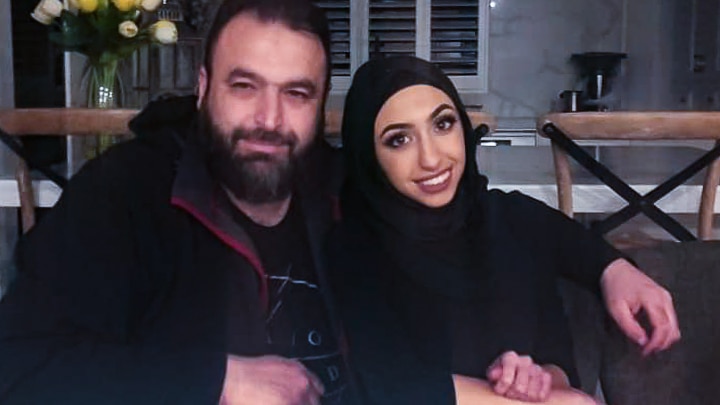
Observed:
{"x":269,"y":111}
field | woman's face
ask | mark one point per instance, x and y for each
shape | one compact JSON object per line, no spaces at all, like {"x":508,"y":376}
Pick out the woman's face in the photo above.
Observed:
{"x":419,"y":144}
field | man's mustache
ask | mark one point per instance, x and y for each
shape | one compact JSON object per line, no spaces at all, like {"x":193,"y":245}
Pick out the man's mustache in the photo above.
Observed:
{"x":270,"y":137}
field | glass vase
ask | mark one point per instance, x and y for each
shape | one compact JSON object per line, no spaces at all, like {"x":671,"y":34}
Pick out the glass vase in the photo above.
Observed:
{"x":104,"y":90}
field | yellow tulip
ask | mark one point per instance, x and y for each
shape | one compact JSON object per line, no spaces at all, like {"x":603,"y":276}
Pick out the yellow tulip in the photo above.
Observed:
{"x":124,"y":5}
{"x":86,"y":6}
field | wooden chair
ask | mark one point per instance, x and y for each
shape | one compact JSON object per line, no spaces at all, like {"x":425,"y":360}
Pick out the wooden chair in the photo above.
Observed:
{"x":56,"y":122}
{"x":566,"y":128}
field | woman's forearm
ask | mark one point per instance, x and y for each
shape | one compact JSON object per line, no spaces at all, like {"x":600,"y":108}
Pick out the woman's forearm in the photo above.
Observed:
{"x":474,"y":391}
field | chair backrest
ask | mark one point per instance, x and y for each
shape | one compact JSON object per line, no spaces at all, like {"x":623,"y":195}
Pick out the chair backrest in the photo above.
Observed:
{"x":637,"y":126}
{"x":65,"y":121}
{"x":57,"y":122}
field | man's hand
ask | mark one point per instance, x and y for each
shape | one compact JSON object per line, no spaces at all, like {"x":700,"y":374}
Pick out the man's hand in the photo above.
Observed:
{"x":626,"y":291}
{"x":518,"y":377}
{"x":269,"y":380}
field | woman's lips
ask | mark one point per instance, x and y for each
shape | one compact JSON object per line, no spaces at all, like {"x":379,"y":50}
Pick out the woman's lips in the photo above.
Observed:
{"x":435,"y":184}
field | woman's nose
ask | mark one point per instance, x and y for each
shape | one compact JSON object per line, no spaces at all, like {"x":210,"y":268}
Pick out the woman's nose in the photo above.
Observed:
{"x":429,"y":155}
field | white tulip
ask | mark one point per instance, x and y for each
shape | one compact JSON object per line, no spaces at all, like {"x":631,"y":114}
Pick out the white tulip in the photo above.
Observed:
{"x":150,"y":5}
{"x":41,"y":17}
{"x":164,"y":31}
{"x":52,"y":7}
{"x":128,"y":29}
{"x":47,"y":10}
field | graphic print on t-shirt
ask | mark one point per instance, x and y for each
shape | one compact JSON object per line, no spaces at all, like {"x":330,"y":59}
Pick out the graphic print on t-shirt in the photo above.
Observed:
{"x":297,"y":324}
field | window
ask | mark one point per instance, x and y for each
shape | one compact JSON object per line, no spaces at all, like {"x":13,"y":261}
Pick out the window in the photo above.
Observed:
{"x":451,"y":33}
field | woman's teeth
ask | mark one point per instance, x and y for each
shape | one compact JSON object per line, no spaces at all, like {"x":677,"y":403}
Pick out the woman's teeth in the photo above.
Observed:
{"x":437,"y":179}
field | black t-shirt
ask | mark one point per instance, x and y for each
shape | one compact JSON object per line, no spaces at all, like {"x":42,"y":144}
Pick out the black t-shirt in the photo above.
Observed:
{"x":297,"y":324}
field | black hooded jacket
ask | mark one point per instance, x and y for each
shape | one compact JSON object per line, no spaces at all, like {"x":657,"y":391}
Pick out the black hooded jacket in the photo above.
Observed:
{"x":130,"y":289}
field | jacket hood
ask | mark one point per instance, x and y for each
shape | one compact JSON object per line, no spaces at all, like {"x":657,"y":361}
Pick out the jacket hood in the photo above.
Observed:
{"x":174,"y":112}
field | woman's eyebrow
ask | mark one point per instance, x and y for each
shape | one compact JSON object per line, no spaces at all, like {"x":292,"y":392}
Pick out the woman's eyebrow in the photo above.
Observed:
{"x":393,"y":126}
{"x":442,"y":107}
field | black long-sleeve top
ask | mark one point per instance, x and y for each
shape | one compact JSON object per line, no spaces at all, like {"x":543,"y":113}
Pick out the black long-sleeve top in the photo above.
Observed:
{"x":406,"y":340}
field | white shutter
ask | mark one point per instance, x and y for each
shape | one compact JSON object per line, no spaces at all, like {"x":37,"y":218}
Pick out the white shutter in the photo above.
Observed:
{"x":450,"y":33}
{"x":458,"y":41}
{"x":391,"y":28}
{"x":454,"y":36}
{"x":338,"y":15}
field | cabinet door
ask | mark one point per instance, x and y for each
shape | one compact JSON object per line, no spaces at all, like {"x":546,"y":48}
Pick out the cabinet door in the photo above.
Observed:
{"x":696,"y":74}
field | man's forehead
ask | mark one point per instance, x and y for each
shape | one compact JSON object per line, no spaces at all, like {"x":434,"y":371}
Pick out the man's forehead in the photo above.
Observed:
{"x":269,"y":48}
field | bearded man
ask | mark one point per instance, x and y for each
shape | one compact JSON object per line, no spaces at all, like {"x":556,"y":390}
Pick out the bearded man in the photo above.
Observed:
{"x":183,"y":266}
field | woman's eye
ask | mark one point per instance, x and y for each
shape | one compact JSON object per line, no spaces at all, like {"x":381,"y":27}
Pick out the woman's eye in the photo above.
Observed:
{"x":396,"y":140}
{"x":446,"y":123}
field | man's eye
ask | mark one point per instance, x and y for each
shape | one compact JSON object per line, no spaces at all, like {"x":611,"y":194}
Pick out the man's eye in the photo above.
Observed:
{"x":298,"y":94}
{"x":396,"y":140}
{"x":241,"y":85}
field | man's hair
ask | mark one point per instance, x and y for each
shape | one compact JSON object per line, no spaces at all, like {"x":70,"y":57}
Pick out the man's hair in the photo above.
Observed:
{"x":299,"y":15}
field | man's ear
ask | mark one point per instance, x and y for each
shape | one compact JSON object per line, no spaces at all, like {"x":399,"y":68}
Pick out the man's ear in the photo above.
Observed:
{"x":202,"y":86}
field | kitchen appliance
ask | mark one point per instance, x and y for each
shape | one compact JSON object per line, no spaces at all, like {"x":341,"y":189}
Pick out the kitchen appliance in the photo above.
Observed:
{"x":597,"y":71}
{"x":570,"y":100}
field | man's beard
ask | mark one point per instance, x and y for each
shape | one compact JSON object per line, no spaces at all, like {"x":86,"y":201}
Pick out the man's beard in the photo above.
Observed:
{"x":254,"y":177}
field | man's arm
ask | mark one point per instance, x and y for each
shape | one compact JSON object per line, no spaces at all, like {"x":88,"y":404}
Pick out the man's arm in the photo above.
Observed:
{"x":68,"y":325}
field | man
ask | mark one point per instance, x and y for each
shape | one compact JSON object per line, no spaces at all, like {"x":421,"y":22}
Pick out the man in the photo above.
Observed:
{"x":185,"y":266}
{"x":162,"y":279}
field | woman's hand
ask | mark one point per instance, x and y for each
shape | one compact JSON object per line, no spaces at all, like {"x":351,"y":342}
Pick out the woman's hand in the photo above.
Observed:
{"x":627,"y":290}
{"x":519,"y":377}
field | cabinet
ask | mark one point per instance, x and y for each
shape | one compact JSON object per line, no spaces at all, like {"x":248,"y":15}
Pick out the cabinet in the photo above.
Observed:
{"x":696,"y":62}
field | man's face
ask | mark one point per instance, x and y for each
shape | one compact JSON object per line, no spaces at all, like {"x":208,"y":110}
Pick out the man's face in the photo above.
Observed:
{"x":261,"y":105}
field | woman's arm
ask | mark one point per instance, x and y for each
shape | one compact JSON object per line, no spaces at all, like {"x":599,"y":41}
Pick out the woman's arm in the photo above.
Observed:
{"x":473,"y":391}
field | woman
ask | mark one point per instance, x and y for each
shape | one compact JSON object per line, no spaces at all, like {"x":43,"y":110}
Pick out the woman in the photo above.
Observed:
{"x":446,"y":289}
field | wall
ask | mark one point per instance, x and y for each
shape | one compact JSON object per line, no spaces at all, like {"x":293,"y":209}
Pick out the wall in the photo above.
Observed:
{"x":530,"y":45}
{"x":8,"y":219}
{"x":531,"y":42}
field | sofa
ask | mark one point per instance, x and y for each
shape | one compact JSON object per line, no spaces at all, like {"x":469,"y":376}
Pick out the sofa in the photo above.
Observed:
{"x":686,"y":374}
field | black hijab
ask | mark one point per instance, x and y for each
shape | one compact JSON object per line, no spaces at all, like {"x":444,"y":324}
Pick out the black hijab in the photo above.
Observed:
{"x":433,"y":245}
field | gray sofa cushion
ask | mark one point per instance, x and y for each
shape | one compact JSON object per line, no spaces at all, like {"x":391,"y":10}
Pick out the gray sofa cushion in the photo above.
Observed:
{"x":688,"y":373}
